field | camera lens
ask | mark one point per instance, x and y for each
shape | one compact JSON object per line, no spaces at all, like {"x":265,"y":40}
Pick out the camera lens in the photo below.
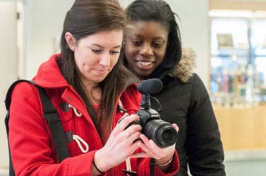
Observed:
{"x":161,"y":132}
{"x":166,"y":135}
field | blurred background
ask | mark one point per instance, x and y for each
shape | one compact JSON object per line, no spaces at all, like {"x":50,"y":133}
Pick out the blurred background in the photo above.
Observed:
{"x":228,"y":36}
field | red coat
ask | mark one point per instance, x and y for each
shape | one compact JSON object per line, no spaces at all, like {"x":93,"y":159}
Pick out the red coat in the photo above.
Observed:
{"x":29,"y":135}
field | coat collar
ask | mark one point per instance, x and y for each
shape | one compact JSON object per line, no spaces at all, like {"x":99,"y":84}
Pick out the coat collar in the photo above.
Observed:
{"x":184,"y":69}
{"x":49,"y":74}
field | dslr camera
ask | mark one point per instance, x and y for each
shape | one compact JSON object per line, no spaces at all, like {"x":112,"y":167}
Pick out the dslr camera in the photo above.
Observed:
{"x":161,"y":132}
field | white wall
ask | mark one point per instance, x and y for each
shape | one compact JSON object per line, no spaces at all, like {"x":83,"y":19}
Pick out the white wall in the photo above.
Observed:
{"x":194,"y":28}
{"x":44,"y":21}
{"x":242,"y":0}
{"x":8,"y":64}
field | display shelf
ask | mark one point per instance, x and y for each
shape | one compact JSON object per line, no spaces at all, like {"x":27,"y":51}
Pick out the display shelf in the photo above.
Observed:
{"x":238,"y":60}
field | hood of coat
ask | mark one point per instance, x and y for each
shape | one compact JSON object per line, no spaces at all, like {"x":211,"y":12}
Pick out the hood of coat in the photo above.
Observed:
{"x":185,"y":68}
{"x":49,"y":74}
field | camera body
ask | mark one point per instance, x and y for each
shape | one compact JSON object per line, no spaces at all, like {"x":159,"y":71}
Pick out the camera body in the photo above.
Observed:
{"x":153,"y":127}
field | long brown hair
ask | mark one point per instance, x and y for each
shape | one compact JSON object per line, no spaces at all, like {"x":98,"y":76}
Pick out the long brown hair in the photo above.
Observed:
{"x":87,"y":17}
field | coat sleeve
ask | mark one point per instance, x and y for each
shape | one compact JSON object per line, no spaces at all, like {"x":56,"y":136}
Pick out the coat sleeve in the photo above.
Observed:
{"x":30,"y":143}
{"x":203,"y":145}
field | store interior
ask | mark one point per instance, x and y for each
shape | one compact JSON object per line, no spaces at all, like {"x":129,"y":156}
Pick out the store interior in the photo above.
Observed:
{"x":228,"y":37}
{"x":238,"y":84}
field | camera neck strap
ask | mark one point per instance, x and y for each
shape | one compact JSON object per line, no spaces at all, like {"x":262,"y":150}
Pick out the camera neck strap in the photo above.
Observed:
{"x":152,"y":163}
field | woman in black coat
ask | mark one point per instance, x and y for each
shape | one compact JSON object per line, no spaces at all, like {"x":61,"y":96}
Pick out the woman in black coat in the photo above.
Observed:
{"x":153,"y":50}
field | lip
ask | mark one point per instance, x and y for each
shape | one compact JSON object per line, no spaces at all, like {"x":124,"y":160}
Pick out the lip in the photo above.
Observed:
{"x":100,"y":71}
{"x":144,"y":64}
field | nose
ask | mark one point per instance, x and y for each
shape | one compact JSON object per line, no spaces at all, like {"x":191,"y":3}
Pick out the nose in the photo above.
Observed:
{"x":146,"y":50}
{"x":105,"y":60}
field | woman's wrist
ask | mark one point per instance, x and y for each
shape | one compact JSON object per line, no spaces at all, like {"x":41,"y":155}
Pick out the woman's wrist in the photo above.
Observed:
{"x":99,"y":166}
{"x":165,"y":163}
{"x":98,"y":170}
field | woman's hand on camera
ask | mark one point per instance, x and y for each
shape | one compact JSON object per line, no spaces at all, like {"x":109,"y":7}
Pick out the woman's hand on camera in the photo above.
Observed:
{"x":122,"y":143}
{"x":151,"y":150}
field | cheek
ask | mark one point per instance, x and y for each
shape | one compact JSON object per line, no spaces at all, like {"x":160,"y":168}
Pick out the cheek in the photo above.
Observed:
{"x":160,"y":55}
{"x":131,"y":52}
{"x":83,"y":64}
{"x":78,"y":61}
{"x":114,"y":61}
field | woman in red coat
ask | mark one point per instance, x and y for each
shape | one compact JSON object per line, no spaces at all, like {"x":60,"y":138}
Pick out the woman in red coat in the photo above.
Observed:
{"x":85,"y":83}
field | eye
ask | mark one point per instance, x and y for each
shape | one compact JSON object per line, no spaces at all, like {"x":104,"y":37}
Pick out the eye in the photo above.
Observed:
{"x":157,"y":45}
{"x":137,"y":43}
{"x":114,"y":52}
{"x":97,"y":51}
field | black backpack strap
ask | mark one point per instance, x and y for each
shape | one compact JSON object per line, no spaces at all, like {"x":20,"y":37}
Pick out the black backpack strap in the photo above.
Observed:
{"x":55,"y":126}
{"x":8,"y":99}
{"x":7,"y":104}
{"x":52,"y":118}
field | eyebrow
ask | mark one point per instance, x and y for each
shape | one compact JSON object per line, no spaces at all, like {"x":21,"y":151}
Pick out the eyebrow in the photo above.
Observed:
{"x":118,"y":46}
{"x":156,"y":37}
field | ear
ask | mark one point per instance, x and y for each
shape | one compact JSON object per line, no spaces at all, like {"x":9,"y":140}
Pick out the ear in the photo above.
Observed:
{"x":71,"y":41}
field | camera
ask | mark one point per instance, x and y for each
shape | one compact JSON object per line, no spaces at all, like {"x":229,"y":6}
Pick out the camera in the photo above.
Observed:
{"x":161,"y":132}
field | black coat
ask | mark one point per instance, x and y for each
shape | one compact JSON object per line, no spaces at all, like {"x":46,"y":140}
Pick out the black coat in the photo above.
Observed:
{"x":185,"y":101}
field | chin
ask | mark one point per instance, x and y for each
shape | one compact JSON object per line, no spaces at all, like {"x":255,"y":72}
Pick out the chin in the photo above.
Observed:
{"x":142,"y":74}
